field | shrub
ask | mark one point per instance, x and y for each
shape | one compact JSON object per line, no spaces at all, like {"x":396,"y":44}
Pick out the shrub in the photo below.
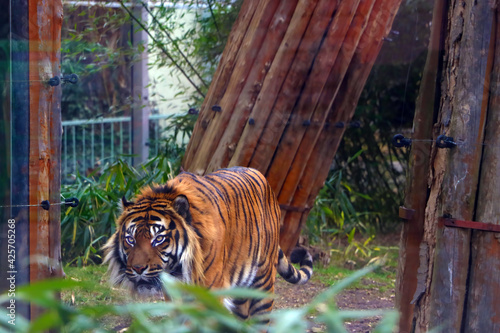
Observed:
{"x":192,"y":309}
{"x":85,"y":229}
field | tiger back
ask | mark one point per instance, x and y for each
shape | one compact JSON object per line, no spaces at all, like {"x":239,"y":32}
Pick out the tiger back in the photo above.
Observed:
{"x":218,"y":231}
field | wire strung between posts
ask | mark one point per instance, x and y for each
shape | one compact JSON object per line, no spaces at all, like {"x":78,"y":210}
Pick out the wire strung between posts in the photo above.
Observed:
{"x":441,"y":141}
{"x":54,"y":81}
{"x":45,"y":204}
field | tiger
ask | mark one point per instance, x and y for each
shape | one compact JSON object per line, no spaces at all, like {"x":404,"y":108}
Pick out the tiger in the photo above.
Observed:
{"x":218,"y":231}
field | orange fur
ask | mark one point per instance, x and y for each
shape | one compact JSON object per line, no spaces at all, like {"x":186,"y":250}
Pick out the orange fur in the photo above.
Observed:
{"x":221,"y":229}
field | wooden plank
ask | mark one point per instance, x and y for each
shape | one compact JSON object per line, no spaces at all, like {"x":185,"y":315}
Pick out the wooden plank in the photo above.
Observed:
{"x":254,"y":37}
{"x":455,"y":172}
{"x":253,"y":85}
{"x":297,"y":75}
{"x":481,"y":313}
{"x":45,"y":20}
{"x":347,"y":28}
{"x":257,"y":146}
{"x":273,"y":82}
{"x":378,"y":26}
{"x":409,"y":276}
{"x":220,"y":80}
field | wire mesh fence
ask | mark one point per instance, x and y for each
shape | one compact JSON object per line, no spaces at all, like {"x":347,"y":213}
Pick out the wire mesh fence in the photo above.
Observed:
{"x":90,"y":143}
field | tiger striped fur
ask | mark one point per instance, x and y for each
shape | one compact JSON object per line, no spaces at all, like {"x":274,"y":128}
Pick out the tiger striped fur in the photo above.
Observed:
{"x":218,"y":231}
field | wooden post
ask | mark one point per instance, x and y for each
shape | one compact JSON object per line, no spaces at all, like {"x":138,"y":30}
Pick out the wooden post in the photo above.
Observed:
{"x":444,"y":258}
{"x":45,"y":21}
{"x":416,"y":185}
{"x":481,"y":312}
{"x":34,"y":141}
{"x":296,"y":68}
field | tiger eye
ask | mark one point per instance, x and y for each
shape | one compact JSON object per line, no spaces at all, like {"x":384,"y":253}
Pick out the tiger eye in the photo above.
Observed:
{"x":130,"y":240}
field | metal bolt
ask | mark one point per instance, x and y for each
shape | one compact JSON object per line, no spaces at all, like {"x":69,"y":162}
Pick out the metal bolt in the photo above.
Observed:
{"x":70,"y":78}
{"x":55,"y":81}
{"x":355,"y":124}
{"x":444,"y":141}
{"x":400,"y":141}
{"x":45,"y":204}
{"x":72,"y":202}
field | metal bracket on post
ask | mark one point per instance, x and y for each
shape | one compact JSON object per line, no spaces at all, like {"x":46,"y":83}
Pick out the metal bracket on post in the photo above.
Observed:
{"x":406,"y":213}
{"x":451,"y":222}
{"x":295,"y":208}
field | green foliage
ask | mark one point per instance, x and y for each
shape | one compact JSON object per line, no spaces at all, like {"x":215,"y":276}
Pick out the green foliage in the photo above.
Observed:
{"x":95,"y":45}
{"x":341,"y":265}
{"x":385,"y":108}
{"x":187,"y":37}
{"x":191,"y":50}
{"x":85,"y":229}
{"x":192,"y":309}
{"x":334,"y":216}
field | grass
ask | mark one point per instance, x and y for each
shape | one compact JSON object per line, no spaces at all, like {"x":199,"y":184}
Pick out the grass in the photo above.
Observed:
{"x":342,"y":265}
{"x":382,"y":279}
{"x":101,"y":293}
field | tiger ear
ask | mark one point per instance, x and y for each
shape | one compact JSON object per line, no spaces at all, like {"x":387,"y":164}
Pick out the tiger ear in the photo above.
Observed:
{"x":126,"y":203}
{"x":181,"y":206}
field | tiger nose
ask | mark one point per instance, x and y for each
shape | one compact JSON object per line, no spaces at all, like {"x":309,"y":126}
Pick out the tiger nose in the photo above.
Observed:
{"x":139,"y":268}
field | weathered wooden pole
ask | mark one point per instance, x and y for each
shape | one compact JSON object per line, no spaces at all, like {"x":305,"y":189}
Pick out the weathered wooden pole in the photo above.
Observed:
{"x":34,"y":141}
{"x":45,"y":21}
{"x":482,"y":312}
{"x":291,"y":73}
{"x":416,"y":196}
{"x":450,"y":278}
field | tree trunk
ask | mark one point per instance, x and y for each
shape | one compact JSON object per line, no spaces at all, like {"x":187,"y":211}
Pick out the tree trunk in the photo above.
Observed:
{"x":446,"y":269}
{"x":288,"y":81}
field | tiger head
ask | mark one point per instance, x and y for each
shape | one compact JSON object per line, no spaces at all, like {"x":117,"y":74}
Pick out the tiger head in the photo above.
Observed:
{"x":153,"y":235}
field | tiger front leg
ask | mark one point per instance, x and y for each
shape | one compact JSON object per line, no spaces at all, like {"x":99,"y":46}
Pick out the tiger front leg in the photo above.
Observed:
{"x":246,"y":308}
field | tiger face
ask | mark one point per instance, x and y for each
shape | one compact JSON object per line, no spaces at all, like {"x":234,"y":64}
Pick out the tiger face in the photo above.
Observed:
{"x":152,"y":238}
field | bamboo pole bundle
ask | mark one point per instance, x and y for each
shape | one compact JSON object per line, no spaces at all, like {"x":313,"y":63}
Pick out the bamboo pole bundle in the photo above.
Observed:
{"x":299,"y":71}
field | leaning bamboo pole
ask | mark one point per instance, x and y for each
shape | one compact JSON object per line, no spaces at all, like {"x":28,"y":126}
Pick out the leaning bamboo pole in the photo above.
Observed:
{"x":297,"y":70}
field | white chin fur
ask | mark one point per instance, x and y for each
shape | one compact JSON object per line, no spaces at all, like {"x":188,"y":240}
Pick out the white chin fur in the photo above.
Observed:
{"x":148,"y":291}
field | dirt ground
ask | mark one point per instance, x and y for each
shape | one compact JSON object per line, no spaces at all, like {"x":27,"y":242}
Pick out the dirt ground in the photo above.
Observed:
{"x":291,"y":296}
